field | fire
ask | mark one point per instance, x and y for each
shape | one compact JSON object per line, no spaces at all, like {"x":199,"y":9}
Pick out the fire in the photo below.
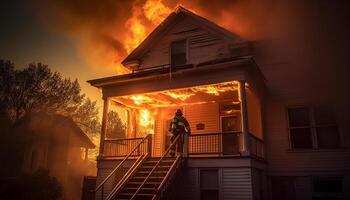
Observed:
{"x":179,"y":95}
{"x":156,"y":11}
{"x":137,"y":33}
{"x":140,"y":99}
{"x":146,"y":121}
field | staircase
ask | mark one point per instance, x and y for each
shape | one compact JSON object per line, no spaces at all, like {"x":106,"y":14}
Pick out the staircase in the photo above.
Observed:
{"x":138,"y":187}
{"x":147,"y":178}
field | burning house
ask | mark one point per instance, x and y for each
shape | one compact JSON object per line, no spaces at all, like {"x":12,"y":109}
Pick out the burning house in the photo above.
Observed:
{"x":190,"y":63}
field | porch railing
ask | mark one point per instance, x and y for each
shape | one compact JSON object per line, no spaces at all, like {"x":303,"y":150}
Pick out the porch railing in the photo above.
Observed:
{"x":122,"y":147}
{"x":215,"y":144}
{"x":256,"y":146}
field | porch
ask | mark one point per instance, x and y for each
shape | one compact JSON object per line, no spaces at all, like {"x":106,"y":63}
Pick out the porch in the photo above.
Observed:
{"x":218,"y":114}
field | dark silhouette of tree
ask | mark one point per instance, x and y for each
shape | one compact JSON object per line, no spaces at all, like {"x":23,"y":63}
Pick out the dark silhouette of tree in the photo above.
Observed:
{"x":38,"y":89}
{"x":115,"y":126}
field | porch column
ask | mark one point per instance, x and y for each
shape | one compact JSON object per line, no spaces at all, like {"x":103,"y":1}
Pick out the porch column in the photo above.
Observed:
{"x":244,"y":117}
{"x":104,"y":125}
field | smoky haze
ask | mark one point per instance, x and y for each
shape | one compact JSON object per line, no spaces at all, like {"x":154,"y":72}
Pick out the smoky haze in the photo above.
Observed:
{"x":102,"y":29}
{"x":308,"y":39}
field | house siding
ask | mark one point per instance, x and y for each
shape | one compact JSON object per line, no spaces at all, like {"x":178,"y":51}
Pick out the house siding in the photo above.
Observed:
{"x":207,"y":114}
{"x":237,"y":184}
{"x":283,"y":161}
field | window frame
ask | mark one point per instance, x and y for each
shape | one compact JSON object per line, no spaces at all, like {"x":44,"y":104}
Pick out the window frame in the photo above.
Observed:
{"x":186,"y":51}
{"x":313,"y":129}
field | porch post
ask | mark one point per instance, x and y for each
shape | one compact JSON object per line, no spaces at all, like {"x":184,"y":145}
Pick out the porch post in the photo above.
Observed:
{"x":244,"y":117}
{"x":104,"y":125}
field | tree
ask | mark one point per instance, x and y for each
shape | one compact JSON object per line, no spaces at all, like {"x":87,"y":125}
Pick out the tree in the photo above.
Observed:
{"x":38,"y":89}
{"x":115,"y":126}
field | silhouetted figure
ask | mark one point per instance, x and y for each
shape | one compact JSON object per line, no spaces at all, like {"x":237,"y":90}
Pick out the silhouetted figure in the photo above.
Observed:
{"x":178,"y":126}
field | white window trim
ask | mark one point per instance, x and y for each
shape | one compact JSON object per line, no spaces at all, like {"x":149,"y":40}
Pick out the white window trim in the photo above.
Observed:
{"x":312,"y":126}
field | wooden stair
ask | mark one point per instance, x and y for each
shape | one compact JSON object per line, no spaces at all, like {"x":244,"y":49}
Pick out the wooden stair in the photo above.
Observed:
{"x":148,"y":190}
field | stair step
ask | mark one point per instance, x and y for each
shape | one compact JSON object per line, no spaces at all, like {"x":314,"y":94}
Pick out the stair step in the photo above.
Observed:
{"x":150,"y":179}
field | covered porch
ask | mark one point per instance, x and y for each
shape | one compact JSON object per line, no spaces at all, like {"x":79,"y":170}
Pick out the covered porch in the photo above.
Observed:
{"x":223,"y":110}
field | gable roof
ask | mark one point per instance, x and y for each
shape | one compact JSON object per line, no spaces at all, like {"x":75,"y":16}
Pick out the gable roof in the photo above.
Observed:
{"x":45,"y":124}
{"x":178,"y":14}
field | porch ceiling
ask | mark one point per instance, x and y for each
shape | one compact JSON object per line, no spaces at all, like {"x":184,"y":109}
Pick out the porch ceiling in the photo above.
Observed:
{"x":182,"y":96}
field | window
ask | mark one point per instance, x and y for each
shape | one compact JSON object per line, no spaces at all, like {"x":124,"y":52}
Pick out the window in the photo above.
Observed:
{"x":327,"y":188}
{"x":209,"y":184}
{"x":312,"y":128}
{"x":178,"y":53}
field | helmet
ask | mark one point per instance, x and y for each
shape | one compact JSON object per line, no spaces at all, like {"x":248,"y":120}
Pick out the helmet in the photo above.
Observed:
{"x":178,"y":112}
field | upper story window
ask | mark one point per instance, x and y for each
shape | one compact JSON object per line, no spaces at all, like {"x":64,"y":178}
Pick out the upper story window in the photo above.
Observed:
{"x":312,"y":128}
{"x":178,"y":53}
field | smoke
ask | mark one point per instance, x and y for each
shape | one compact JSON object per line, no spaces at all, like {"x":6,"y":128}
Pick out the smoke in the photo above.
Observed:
{"x":106,"y":31}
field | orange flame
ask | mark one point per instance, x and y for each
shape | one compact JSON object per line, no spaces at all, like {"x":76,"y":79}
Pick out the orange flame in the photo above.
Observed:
{"x":146,"y":122}
{"x":156,"y":11}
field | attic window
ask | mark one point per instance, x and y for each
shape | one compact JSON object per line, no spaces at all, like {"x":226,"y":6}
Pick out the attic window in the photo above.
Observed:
{"x":178,"y":53}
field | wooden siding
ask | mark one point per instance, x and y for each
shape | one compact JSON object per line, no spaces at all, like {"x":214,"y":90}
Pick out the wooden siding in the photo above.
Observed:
{"x":254,"y":114}
{"x":283,"y":161}
{"x":190,"y":185}
{"x":207,"y":114}
{"x":203,"y":45}
{"x":237,"y":184}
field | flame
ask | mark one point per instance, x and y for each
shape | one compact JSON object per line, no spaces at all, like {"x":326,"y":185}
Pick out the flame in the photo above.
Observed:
{"x":166,"y":98}
{"x":156,"y":11}
{"x":179,"y":95}
{"x":146,"y":122}
{"x":140,"y":99}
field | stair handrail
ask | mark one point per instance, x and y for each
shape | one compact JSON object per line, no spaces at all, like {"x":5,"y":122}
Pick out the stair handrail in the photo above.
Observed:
{"x":175,"y":164}
{"x":155,"y":167}
{"x":119,"y":165}
{"x":127,"y":175}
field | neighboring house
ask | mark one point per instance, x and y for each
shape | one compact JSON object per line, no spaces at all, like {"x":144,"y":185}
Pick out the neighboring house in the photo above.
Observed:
{"x":55,"y":143}
{"x":245,"y":143}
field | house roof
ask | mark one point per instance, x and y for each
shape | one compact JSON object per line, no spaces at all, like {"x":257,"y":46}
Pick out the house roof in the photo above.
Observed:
{"x":45,"y":123}
{"x":178,"y":14}
{"x":166,"y":70}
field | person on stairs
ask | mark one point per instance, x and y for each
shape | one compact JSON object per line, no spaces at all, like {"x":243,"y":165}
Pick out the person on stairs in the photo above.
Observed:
{"x":178,"y":126}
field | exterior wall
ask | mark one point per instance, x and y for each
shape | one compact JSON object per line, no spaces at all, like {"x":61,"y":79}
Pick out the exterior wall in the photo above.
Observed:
{"x":203,"y":45}
{"x":207,"y":114}
{"x":236,"y":178}
{"x":254,"y":114}
{"x":284,"y":161}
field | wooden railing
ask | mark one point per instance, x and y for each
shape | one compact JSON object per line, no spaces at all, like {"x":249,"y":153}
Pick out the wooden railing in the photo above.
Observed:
{"x":215,"y":143}
{"x":116,"y":177}
{"x":256,"y":146}
{"x":122,"y":147}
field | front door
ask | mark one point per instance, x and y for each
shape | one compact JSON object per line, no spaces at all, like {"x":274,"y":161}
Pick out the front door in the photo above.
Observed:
{"x":230,"y":140}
